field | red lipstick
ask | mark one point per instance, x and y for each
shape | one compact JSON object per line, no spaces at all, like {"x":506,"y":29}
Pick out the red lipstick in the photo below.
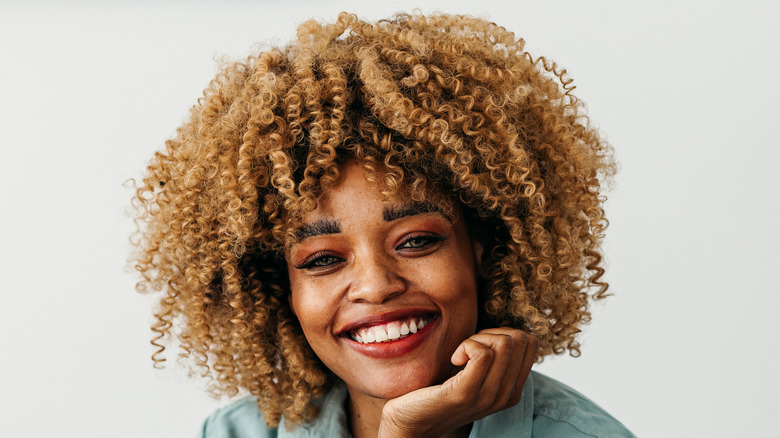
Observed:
{"x":391,"y":349}
{"x":383,"y":318}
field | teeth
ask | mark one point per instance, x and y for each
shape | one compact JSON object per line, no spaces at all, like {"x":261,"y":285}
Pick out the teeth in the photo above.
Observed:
{"x":389,"y":332}
{"x":393,"y":333}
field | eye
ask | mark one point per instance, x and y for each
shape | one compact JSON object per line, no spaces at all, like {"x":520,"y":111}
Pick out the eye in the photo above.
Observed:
{"x":419,"y":241}
{"x":319,"y":261}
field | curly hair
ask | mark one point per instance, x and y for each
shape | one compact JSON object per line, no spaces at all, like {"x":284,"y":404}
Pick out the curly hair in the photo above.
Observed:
{"x":443,"y":101}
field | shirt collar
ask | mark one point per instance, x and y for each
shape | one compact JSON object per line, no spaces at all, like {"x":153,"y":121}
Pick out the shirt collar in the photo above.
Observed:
{"x":331,"y":421}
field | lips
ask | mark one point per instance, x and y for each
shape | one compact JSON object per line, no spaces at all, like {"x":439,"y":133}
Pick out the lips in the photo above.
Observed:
{"x":397,"y":328}
{"x":390,"y":331}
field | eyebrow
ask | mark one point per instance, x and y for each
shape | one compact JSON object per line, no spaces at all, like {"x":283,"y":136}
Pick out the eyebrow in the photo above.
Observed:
{"x":389,"y":214}
{"x":392,"y":213}
{"x":317,"y":228}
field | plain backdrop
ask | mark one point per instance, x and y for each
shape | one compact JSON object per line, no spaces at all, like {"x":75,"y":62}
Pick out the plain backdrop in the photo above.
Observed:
{"x":686,"y":92}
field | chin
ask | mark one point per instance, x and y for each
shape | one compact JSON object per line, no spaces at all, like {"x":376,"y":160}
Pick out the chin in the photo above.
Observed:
{"x":393,"y":386}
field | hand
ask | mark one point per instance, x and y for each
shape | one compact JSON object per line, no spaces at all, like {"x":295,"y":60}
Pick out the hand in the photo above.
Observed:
{"x":498,"y":362}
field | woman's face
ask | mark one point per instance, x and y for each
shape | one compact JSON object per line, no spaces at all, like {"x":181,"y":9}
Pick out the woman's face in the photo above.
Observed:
{"x":384,"y":289}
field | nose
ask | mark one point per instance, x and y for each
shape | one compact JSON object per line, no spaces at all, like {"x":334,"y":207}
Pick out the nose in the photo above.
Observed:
{"x":376,"y":279}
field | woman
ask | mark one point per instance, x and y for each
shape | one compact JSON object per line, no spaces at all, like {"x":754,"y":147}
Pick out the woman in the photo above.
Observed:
{"x":377,"y":231}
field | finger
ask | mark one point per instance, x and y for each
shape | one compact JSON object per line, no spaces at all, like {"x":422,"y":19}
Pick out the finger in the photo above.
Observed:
{"x":529,"y":357}
{"x":499,"y":381}
{"x":518,"y":366}
{"x":459,"y":357}
{"x":477,"y":358}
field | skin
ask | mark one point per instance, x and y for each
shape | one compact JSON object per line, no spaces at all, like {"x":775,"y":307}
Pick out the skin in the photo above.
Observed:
{"x":357,"y":264}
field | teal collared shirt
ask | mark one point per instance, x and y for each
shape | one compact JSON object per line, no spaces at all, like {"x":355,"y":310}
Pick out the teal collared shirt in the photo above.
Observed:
{"x":548,"y":408}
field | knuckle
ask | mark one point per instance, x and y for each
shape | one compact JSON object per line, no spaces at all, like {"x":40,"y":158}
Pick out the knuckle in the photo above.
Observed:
{"x":504,"y":342}
{"x":481,"y":352}
{"x":534,"y":343}
{"x":484,"y":357}
{"x":521,"y":335}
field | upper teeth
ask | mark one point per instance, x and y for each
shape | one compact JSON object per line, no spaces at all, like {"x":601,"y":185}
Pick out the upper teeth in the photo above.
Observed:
{"x":390,"y":331}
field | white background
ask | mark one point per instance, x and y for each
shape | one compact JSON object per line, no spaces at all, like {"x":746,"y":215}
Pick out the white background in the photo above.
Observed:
{"x":686,"y":92}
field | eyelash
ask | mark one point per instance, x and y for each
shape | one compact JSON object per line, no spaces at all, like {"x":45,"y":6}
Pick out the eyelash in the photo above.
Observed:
{"x":319,"y":260}
{"x":426,"y":239}
{"x":314,"y":261}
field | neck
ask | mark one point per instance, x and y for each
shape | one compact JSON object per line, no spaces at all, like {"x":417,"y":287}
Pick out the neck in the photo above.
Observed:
{"x":365,"y":413}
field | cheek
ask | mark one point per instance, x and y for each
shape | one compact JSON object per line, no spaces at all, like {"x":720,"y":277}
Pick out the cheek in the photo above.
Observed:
{"x":458,"y":273}
{"x":459,"y":280}
{"x":300,"y":301}
{"x":452,"y":282}
{"x":310,"y":305}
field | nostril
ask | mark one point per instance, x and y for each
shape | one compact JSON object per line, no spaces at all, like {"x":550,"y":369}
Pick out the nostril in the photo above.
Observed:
{"x":376,"y":284}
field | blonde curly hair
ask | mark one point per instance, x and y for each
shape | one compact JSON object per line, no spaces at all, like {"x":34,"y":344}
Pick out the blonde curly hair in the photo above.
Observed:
{"x":444,"y":101}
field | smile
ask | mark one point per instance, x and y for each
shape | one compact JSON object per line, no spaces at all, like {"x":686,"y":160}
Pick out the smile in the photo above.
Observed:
{"x":390,"y":335}
{"x":391,"y":331}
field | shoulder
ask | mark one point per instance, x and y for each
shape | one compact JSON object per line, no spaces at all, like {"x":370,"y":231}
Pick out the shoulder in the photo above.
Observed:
{"x":243,"y":419}
{"x":240,"y":419}
{"x":559,"y":410}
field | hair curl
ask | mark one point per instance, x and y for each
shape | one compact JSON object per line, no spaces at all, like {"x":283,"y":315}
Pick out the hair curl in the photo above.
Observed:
{"x":447,"y":101}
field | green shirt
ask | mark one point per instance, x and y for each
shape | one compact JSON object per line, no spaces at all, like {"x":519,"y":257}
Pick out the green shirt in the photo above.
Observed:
{"x":547,"y":408}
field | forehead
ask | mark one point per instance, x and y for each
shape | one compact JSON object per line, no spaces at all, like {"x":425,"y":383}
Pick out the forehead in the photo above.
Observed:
{"x":357,"y":184}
